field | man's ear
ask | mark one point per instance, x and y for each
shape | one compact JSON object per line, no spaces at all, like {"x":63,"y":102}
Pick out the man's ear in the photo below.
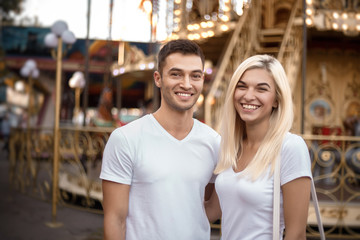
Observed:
{"x":157,"y":79}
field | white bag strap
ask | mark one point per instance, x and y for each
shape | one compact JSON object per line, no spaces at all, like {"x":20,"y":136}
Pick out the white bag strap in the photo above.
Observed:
{"x":276,"y":201}
{"x":276,"y":206}
{"x":317,"y":210}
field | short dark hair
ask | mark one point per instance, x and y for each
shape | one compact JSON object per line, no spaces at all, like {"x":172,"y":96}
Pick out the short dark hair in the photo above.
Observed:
{"x":183,"y":46}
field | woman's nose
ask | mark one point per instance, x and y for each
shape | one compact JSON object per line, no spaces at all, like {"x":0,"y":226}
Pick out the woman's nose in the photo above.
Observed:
{"x":249,"y":94}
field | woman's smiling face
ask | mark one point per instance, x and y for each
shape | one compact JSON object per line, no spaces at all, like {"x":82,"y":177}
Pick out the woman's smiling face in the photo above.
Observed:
{"x":255,"y":96}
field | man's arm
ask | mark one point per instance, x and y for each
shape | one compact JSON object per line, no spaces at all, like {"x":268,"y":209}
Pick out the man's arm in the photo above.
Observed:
{"x":115,"y":205}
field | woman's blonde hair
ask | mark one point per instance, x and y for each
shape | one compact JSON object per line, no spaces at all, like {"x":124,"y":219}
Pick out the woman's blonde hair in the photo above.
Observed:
{"x":233,"y":128}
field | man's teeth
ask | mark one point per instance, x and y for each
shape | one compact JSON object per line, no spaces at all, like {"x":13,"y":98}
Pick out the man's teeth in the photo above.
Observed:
{"x":184,"y":94}
{"x":252,"y":107}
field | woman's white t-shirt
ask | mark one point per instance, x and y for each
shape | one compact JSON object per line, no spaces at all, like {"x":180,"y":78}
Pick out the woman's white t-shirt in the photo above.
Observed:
{"x":247,"y":206}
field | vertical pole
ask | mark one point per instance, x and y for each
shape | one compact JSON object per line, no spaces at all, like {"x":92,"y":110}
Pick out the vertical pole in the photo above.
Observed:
{"x":56,"y":130}
{"x":30,"y":100}
{"x":107,"y":77}
{"x":28,"y":123}
{"x":110,"y":17}
{"x":304,"y":60}
{"x":151,"y":22}
{"x":87,"y":78}
{"x":121,"y":61}
{"x":77,"y":101}
{"x":119,"y":95}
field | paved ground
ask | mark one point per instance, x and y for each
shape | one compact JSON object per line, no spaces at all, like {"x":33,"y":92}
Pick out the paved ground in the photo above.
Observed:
{"x":25,"y":218}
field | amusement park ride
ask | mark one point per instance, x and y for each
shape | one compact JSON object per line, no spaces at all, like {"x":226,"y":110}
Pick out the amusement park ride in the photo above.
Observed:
{"x":299,"y":33}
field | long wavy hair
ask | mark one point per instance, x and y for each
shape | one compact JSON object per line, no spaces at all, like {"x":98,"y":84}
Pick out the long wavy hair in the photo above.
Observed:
{"x":233,"y":130}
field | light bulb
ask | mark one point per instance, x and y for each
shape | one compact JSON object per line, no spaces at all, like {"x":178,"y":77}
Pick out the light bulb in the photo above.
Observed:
{"x":68,"y":37}
{"x":59,"y":27}
{"x":51,"y":40}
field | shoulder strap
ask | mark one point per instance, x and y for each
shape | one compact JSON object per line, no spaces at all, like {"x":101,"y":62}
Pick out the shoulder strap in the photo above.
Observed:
{"x":276,"y":201}
{"x":317,"y":210}
{"x":276,"y":206}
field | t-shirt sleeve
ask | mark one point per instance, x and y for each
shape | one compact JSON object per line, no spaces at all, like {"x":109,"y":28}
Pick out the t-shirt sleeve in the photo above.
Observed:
{"x":216,"y":149}
{"x":117,"y":162}
{"x":295,"y":159}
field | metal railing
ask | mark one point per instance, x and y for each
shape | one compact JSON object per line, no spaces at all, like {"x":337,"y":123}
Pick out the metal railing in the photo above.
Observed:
{"x":336,"y":172}
{"x":80,"y":156}
{"x":241,"y":45}
{"x":292,"y":45}
{"x":335,"y":167}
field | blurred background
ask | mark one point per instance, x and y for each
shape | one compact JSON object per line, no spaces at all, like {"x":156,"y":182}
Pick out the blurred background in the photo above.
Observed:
{"x":73,"y":71}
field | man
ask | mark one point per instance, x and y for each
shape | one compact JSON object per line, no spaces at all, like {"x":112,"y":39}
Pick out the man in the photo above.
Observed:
{"x":155,"y":169}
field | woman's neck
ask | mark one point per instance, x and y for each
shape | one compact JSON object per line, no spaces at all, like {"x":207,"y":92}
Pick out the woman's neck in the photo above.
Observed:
{"x":255,"y":134}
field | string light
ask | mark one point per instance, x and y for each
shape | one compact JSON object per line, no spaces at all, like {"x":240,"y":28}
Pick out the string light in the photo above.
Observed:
{"x":210,"y":24}
{"x":346,"y":20}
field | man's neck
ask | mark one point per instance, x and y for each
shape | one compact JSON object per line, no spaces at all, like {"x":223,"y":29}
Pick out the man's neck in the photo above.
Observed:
{"x":178,"y":124}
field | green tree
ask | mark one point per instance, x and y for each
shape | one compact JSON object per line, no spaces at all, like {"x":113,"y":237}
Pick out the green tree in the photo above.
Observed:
{"x":6,"y":6}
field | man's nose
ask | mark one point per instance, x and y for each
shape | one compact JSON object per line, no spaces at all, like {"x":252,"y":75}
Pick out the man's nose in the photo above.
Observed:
{"x":186,"y":82}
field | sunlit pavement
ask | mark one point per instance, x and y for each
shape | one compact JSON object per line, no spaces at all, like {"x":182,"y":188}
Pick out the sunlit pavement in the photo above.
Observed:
{"x":25,"y":218}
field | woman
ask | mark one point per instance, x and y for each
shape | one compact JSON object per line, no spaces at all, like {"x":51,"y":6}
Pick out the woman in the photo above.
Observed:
{"x":257,"y":117}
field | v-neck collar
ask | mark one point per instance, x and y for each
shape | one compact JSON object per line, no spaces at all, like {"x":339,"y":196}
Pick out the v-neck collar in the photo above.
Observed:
{"x":166,"y":133}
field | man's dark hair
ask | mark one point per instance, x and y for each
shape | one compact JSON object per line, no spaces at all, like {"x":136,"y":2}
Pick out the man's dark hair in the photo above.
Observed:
{"x":182,"y":46}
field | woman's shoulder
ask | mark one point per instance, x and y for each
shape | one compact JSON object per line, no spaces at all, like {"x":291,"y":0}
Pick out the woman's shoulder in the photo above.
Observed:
{"x":293,"y":141}
{"x":206,"y":129}
{"x":295,"y":158}
{"x":293,"y":138}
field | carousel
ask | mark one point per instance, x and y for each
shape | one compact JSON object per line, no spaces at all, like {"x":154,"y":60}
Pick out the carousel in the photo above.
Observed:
{"x":310,"y":38}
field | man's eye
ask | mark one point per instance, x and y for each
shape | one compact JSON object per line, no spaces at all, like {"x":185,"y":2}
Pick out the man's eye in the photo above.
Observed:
{"x":175,"y":74}
{"x":197,"y":76}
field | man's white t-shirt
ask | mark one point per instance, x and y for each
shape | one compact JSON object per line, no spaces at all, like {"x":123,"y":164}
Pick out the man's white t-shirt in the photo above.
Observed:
{"x":167,"y":178}
{"x":247,"y":206}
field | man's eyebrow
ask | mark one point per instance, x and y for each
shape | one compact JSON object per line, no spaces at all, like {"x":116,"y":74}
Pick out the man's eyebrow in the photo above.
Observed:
{"x":198,"y":70}
{"x":175,"y":69}
{"x":179,"y":69}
